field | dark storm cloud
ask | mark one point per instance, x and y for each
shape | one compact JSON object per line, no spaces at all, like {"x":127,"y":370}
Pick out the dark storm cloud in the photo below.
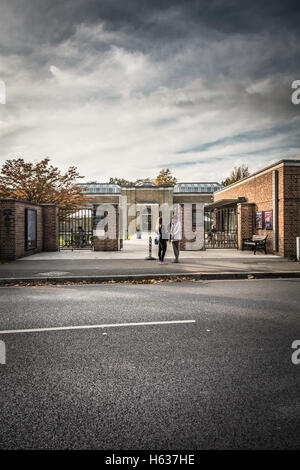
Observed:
{"x":54,"y":20}
{"x":150,"y":79}
{"x":158,"y":27}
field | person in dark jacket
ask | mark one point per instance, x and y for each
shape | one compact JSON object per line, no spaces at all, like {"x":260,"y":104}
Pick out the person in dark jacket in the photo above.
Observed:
{"x":162,"y":241}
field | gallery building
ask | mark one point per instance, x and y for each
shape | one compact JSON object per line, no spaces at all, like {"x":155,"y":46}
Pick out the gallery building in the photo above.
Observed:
{"x":265,"y":204}
{"x":140,"y":205}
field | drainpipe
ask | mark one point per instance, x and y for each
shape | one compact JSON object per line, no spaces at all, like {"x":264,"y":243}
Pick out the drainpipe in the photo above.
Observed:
{"x":275,"y":209}
{"x":298,"y":248}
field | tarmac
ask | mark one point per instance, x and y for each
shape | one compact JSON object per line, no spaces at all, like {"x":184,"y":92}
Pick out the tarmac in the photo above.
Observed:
{"x":130,"y":264}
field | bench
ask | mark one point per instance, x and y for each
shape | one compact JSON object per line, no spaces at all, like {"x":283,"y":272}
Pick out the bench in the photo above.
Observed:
{"x":257,"y":242}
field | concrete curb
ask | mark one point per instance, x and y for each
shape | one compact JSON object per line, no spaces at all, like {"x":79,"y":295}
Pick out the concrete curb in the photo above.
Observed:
{"x":148,"y":277}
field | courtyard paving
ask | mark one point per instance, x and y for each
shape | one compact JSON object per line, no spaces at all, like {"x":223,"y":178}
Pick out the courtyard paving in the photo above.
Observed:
{"x":138,"y":249}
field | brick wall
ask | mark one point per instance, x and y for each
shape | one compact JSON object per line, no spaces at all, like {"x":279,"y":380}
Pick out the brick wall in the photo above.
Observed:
{"x":258,"y":191}
{"x":291,"y":219}
{"x":12,"y":228}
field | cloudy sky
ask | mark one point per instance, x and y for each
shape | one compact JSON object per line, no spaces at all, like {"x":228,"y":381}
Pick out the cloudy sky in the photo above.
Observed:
{"x":127,"y":87}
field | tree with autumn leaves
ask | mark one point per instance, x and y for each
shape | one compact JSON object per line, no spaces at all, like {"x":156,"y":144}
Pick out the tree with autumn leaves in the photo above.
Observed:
{"x":165,"y":177}
{"x":40,"y":183}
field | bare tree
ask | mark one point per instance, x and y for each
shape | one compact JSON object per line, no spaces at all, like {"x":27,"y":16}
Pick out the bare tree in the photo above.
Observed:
{"x":238,"y":173}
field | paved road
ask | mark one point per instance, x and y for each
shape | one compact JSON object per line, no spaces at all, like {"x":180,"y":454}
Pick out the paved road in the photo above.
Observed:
{"x":225,"y":381}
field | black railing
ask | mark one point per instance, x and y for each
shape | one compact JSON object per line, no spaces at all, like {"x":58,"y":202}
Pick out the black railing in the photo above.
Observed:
{"x":76,"y":229}
{"x":221,"y":240}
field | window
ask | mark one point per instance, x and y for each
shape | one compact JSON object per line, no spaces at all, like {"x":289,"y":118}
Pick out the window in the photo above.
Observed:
{"x":30,"y":229}
{"x":197,"y":216}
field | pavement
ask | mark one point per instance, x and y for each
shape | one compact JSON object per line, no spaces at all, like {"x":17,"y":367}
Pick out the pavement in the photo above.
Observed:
{"x":130,"y":264}
{"x":191,"y":365}
{"x":138,"y":250}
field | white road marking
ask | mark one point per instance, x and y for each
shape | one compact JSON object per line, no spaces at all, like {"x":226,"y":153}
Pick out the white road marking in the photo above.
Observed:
{"x":86,"y":327}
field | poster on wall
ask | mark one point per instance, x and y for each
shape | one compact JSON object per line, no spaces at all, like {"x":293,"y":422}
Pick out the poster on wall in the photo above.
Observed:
{"x":259,"y":220}
{"x":268,"y":216}
{"x":30,"y":229}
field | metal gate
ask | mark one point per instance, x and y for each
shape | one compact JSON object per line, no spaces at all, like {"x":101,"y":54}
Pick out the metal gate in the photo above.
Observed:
{"x":220,"y":226}
{"x":76,"y":229}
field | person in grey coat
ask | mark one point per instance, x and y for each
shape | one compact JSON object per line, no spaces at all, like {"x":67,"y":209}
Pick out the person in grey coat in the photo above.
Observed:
{"x":176,"y":236}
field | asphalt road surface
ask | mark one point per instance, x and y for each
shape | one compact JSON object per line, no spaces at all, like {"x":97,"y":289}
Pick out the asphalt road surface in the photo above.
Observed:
{"x":221,"y":378}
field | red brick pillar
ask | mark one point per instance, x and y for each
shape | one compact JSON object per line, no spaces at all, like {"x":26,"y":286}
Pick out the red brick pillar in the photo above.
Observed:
{"x":102,"y":240}
{"x":246,"y":223}
{"x":50,"y":227}
{"x":7,"y":230}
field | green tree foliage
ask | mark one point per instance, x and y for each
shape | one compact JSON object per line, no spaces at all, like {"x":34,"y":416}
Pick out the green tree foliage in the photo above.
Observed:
{"x":164,"y":177}
{"x":142,"y":181}
{"x":120,"y":181}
